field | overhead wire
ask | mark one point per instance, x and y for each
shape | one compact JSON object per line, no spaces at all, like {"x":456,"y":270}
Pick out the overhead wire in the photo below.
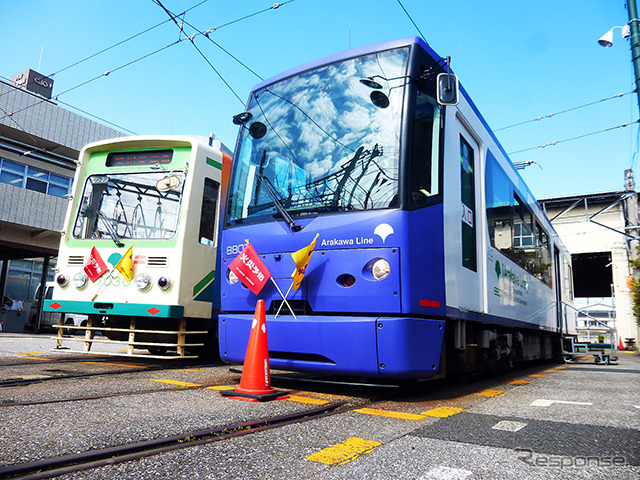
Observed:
{"x":56,"y":98}
{"x":272,"y":7}
{"x":191,"y":39}
{"x":408,"y":15}
{"x":574,"y":138}
{"x":107,"y":73}
{"x":206,"y":34}
{"x":551,"y":115}
{"x":111,"y":47}
{"x":121,"y":42}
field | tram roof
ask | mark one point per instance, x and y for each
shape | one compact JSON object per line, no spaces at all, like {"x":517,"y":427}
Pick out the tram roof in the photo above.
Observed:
{"x":354,"y":52}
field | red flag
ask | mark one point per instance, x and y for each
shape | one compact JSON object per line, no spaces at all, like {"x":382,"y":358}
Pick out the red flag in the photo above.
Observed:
{"x":250,"y":270}
{"x":95,"y":266}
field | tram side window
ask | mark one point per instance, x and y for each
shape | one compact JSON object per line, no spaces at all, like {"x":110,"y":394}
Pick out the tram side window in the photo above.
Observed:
{"x":533,"y":252}
{"x":498,"y":192}
{"x":468,"y":200}
{"x":543,"y":257}
{"x":425,"y":140}
{"x":209,"y":213}
{"x":513,"y":229}
{"x":524,"y":239}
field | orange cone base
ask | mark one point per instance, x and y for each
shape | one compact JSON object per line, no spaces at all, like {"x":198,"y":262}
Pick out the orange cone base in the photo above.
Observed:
{"x":255,"y":397}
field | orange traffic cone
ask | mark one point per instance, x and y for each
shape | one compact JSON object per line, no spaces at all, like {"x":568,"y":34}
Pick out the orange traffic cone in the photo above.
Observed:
{"x":255,"y":383}
{"x":620,"y":346}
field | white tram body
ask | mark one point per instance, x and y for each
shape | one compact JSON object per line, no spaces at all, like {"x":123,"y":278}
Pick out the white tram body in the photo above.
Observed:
{"x":157,"y":198}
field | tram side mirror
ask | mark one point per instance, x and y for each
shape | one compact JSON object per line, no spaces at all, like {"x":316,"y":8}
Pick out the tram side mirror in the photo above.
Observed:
{"x":379,"y":99}
{"x":242,"y":118}
{"x":257,"y":130}
{"x":447,"y":89}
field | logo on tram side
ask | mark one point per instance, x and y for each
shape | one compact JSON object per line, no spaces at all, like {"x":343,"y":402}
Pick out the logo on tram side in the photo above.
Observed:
{"x":519,"y":285}
{"x":517,"y":280}
{"x":383,"y":231}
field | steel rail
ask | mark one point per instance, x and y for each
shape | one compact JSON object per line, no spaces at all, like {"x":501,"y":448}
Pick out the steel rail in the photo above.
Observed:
{"x":55,"y":466}
{"x":29,"y":381}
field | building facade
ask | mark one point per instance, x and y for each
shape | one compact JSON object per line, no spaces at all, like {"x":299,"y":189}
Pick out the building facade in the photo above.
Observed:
{"x":598,"y":230}
{"x":39,"y":146}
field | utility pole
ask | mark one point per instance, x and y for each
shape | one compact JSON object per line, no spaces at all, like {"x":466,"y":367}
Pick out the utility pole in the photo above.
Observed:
{"x":635,"y":42}
{"x":632,"y":201}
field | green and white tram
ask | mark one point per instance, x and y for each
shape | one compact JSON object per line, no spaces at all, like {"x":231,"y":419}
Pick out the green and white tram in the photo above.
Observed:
{"x":138,"y":253}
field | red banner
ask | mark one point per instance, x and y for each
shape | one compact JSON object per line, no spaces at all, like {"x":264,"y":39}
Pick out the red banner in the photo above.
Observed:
{"x":95,"y":266}
{"x":250,"y":270}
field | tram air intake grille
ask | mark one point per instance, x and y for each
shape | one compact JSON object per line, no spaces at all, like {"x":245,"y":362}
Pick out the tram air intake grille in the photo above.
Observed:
{"x":157,"y":261}
{"x":75,"y":260}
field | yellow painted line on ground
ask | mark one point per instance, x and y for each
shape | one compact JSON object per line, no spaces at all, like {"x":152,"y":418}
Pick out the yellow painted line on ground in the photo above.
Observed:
{"x":44,"y":359}
{"x":177,"y":383}
{"x":537,"y":375}
{"x":29,"y":353}
{"x":519,"y":382}
{"x":443,"y":412}
{"x":344,"y":452}
{"x":561,"y":367}
{"x":387,"y":413}
{"x":312,"y":401}
{"x":222,"y":387}
{"x":551,"y":371}
{"x":115,"y":364}
{"x":490,"y":393}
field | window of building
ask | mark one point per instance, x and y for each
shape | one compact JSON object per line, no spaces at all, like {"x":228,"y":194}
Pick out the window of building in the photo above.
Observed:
{"x":23,"y":278}
{"x":31,"y":178}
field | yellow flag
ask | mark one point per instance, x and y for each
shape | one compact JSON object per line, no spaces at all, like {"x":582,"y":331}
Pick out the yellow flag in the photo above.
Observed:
{"x":301,"y":257}
{"x":125,"y":265}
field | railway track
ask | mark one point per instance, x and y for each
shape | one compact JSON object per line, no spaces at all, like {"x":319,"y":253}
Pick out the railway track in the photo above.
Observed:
{"x":65,"y":464}
{"x":38,"y":372}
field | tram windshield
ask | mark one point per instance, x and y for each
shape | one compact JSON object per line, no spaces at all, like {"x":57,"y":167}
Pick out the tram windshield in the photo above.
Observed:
{"x":130,"y":206}
{"x":322,"y":141}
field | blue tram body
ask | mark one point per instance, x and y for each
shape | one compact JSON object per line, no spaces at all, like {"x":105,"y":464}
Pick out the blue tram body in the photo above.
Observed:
{"x":432,"y":254}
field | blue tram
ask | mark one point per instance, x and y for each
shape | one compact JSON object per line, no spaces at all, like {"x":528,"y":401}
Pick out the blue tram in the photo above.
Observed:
{"x":433,"y":256}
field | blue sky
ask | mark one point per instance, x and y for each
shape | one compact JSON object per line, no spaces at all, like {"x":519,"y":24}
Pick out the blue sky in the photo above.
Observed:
{"x":518,"y":59}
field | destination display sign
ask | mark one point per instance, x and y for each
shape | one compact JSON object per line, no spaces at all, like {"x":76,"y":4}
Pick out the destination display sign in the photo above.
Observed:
{"x":148,"y":157}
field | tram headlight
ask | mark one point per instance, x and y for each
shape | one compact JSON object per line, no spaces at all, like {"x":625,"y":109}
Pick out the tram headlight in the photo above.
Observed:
{"x":232,"y":277}
{"x":79,"y":280}
{"x":62,"y":280}
{"x":379,"y":268}
{"x":164,"y":283}
{"x":142,"y":281}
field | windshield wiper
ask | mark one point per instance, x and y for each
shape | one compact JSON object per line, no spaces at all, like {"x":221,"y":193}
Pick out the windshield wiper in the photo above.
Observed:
{"x":277,"y":202}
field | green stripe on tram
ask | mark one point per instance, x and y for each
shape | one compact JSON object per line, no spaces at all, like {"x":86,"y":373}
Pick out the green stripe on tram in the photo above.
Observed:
{"x":204,"y":282}
{"x":213,"y":163}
